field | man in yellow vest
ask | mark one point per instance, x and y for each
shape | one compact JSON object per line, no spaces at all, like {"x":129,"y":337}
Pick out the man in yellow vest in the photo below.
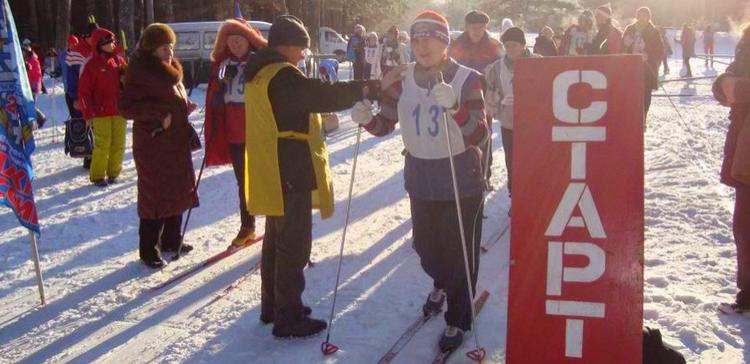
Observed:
{"x":287,"y":172}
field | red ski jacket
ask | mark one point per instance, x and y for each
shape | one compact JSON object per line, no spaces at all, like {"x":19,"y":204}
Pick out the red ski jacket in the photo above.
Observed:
{"x":99,"y":86}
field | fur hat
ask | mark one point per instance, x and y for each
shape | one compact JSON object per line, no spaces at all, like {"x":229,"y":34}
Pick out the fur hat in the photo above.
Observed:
{"x":155,"y":36}
{"x":236,"y":27}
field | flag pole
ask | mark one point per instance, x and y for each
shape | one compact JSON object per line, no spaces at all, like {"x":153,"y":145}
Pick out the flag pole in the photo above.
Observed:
{"x":37,"y":266}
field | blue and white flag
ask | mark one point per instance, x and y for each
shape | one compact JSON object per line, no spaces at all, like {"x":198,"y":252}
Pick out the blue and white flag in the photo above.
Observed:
{"x":17,"y":115}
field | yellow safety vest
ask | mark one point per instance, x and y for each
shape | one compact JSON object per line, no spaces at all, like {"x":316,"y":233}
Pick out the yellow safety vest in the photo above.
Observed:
{"x":263,"y":191}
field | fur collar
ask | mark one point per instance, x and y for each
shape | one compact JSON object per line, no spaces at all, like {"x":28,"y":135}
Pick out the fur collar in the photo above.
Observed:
{"x":146,"y":68}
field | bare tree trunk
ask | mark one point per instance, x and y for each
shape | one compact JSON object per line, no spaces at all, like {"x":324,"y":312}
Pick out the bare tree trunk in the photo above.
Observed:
{"x":46,"y":24}
{"x":165,"y":10}
{"x":314,"y":25}
{"x":149,"y":11}
{"x":127,"y":21}
{"x":33,"y":21}
{"x":62,"y":25}
{"x":90,"y":7}
{"x":138,"y":18}
{"x":279,"y":7}
{"x":105,"y":16}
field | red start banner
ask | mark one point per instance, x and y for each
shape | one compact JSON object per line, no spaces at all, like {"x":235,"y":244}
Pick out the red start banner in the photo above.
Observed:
{"x":576,"y":255}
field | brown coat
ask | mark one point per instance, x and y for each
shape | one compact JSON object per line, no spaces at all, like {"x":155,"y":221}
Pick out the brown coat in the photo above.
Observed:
{"x":166,"y":178}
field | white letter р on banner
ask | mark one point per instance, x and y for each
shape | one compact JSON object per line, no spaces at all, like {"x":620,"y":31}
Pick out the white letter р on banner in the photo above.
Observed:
{"x":557,"y":273}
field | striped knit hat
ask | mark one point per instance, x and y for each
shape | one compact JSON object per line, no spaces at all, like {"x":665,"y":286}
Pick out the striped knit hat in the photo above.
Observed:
{"x":430,"y":24}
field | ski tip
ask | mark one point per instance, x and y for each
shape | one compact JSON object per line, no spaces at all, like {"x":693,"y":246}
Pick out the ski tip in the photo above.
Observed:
{"x":328,"y":348}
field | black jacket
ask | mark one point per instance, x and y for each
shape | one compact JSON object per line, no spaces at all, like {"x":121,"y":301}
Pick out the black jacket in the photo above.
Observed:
{"x":293,"y":98}
{"x":545,"y":47}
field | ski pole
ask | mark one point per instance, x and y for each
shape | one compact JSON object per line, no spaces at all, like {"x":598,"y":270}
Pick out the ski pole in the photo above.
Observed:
{"x":200,"y":176}
{"x":673,"y":105}
{"x":477,"y":354}
{"x":326,"y":347}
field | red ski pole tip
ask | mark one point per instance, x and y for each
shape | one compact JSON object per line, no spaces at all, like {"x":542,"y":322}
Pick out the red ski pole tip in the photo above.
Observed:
{"x":477,"y":355}
{"x":328,"y":348}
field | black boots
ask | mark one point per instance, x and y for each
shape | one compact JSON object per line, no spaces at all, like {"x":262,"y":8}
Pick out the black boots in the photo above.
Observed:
{"x":434,"y":303}
{"x":304,"y":327}
{"x":267,"y":318}
{"x":452,"y":339}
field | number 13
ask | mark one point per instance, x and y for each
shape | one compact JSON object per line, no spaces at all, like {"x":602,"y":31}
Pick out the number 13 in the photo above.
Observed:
{"x":434,"y":111}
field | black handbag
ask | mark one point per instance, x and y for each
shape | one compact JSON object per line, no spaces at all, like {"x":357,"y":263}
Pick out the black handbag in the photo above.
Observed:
{"x":79,"y":139}
{"x":194,"y":139}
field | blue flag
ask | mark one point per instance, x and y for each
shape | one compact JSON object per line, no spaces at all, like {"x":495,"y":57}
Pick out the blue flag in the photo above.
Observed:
{"x":17,"y":115}
{"x":237,"y":10}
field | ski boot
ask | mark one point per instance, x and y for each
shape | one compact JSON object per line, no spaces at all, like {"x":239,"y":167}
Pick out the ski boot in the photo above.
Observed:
{"x":435,"y":301}
{"x":452,"y":339}
{"x":304,"y":327}
{"x":245,"y":236}
{"x":268,"y":318}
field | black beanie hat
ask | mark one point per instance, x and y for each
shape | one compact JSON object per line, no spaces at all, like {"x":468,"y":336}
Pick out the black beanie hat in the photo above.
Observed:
{"x":514,"y":34}
{"x":288,"y":30}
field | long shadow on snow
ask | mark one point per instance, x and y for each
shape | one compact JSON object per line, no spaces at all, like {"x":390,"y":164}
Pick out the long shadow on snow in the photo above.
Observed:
{"x":120,"y":314}
{"x":388,"y":277}
{"x":235,"y":339}
{"x":117,"y":246}
{"x":77,"y":299}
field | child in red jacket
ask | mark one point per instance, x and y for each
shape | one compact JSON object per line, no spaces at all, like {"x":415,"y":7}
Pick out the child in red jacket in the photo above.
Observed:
{"x":98,"y":91}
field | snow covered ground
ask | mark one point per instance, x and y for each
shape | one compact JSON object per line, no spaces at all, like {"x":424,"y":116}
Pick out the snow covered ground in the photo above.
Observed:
{"x":101,"y":308}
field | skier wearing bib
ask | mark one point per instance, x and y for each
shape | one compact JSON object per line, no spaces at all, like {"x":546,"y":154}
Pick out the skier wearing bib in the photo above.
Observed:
{"x":418,"y":103}
{"x":235,"y":43}
{"x":286,"y":167}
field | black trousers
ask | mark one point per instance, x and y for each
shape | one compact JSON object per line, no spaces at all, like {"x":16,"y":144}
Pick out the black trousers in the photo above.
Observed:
{"x":741,"y":229}
{"x":437,"y":240}
{"x":665,"y":63}
{"x":285,"y":253}
{"x":686,"y":61}
{"x":237,"y":153}
{"x":359,"y":70}
{"x":157,"y":235}
{"x":647,"y":100}
{"x":507,"y":135}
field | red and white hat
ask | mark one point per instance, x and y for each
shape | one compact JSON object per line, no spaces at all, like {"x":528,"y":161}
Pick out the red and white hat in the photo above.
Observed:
{"x":430,"y":24}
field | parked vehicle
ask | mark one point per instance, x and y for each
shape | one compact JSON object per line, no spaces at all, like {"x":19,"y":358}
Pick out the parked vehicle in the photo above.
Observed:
{"x":331,"y":42}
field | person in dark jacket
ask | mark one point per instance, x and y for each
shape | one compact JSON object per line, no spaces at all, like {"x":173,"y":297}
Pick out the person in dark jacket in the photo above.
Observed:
{"x":155,"y":99}
{"x":427,"y":172}
{"x":75,"y":59}
{"x":733,"y":89}
{"x":545,"y":43}
{"x":355,"y":52}
{"x":287,"y":165}
{"x":236,"y":42}
{"x":687,"y":41}
{"x":642,"y":38}
{"x":608,"y":39}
